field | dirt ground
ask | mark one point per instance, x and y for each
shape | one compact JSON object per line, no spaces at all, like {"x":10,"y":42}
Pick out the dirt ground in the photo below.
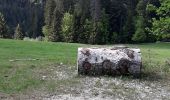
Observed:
{"x":70,"y":86}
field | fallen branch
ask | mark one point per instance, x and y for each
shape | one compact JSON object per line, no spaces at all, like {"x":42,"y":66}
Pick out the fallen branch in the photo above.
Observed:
{"x":29,"y":59}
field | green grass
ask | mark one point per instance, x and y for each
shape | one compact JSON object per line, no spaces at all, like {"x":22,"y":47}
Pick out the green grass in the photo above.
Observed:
{"x":19,"y":76}
{"x":155,"y":56}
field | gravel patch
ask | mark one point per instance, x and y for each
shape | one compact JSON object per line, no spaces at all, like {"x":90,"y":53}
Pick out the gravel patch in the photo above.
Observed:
{"x":117,"y":88}
{"x":96,"y":88}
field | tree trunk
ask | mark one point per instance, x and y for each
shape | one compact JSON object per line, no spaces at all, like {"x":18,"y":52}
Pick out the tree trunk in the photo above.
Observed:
{"x":109,"y":61}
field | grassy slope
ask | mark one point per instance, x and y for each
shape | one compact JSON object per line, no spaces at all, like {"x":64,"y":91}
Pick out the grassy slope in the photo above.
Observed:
{"x":20,"y":75}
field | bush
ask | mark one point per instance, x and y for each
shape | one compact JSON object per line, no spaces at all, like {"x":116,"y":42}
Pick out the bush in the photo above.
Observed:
{"x":166,"y":37}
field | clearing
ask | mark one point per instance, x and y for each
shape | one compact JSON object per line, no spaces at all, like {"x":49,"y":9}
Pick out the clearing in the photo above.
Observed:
{"x":47,"y":71}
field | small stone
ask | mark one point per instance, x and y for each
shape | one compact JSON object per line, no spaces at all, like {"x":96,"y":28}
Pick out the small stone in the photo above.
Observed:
{"x":61,"y":63}
{"x":44,"y":77}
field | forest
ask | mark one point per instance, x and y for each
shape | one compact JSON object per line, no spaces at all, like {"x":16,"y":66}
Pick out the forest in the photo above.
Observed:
{"x":86,"y":21}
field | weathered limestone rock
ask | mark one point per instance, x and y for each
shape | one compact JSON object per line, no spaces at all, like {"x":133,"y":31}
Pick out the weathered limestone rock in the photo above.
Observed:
{"x":109,"y":61}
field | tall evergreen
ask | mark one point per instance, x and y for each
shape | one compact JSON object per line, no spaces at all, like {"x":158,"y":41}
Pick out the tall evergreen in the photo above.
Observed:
{"x":57,"y":21}
{"x":81,"y":13}
{"x":95,"y":10}
{"x":33,"y":31}
{"x":128,"y":28}
{"x":103,"y":32}
{"x":18,"y":33}
{"x":49,"y":12}
{"x":3,"y":27}
{"x":140,"y":34}
{"x":67,"y":27}
{"x":93,"y":21}
{"x":53,"y":20}
{"x":48,"y":15}
{"x":129,"y":25}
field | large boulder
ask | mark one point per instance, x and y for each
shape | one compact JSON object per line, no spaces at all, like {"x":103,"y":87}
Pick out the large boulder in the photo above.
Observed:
{"x":109,"y":61}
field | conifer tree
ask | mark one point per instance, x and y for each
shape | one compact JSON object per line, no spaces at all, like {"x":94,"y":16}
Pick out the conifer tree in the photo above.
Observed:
{"x":140,"y":35}
{"x":67,"y":27}
{"x":53,"y":20}
{"x":81,"y":13}
{"x":48,"y":15}
{"x":3,"y":27}
{"x":58,"y":13}
{"x":96,"y":16}
{"x":18,"y":33}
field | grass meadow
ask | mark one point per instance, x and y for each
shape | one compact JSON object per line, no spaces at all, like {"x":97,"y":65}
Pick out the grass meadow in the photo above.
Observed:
{"x":19,"y":73}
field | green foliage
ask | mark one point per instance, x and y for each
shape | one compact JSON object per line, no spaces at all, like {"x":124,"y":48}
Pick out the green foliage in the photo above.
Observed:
{"x":80,"y":16}
{"x":48,"y":13}
{"x":140,"y":35}
{"x":141,"y":8}
{"x":67,"y":27}
{"x":18,"y":33}
{"x":161,"y":26}
{"x":129,"y":28}
{"x":88,"y":21}
{"x":3,"y":27}
{"x":53,"y":20}
{"x":166,"y":37}
{"x":140,"y":32}
{"x":104,"y":28}
{"x":114,"y":37}
{"x":151,"y":8}
{"x":46,"y":29}
{"x":164,"y":9}
{"x":85,"y":35}
{"x":100,"y":30}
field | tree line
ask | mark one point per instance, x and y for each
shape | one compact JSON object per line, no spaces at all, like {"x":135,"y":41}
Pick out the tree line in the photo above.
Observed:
{"x":87,"y":21}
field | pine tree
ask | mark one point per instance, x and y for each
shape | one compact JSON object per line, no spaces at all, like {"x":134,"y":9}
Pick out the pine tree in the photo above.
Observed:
{"x":49,"y":12}
{"x":3,"y":27}
{"x":18,"y":33}
{"x":103,"y":25}
{"x":48,"y":15}
{"x":67,"y":27}
{"x":53,"y":20}
{"x":85,"y":34}
{"x":129,"y":25}
{"x":81,"y":13}
{"x":140,"y":35}
{"x":57,"y":22}
{"x":33,"y":31}
{"x":96,"y":16}
{"x":129,"y":28}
